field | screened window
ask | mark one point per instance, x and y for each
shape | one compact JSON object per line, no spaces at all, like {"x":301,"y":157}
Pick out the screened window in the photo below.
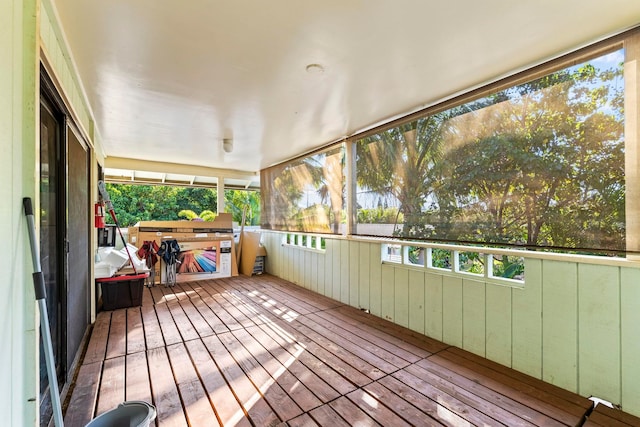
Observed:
{"x":306,"y":194}
{"x":540,"y":164}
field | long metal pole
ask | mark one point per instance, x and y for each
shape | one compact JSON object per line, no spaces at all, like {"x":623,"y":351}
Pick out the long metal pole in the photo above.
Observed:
{"x":41,"y":295}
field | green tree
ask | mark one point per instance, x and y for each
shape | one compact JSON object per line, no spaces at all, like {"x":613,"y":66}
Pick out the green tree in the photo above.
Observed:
{"x":235,"y":202}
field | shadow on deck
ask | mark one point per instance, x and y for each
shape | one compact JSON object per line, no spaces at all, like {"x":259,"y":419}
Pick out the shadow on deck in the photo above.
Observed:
{"x":261,"y":351}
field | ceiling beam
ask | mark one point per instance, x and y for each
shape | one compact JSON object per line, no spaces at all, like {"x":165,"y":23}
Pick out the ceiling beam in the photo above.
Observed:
{"x":177,"y":168}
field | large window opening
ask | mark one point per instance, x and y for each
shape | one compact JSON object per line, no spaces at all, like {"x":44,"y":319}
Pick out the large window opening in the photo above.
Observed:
{"x":139,"y":202}
{"x":306,"y":194}
{"x":537,"y":165}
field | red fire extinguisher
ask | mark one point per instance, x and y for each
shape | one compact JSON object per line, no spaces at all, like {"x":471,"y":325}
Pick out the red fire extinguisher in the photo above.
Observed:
{"x":98,"y":209}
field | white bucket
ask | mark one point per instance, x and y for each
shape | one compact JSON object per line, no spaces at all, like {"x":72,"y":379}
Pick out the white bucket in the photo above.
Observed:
{"x":128,"y":414}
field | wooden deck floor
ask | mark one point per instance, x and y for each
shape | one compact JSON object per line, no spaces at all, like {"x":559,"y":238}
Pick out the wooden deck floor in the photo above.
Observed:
{"x":261,"y":351}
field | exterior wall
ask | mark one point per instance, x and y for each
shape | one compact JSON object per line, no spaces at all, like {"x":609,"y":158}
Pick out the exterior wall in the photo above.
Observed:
{"x":18,"y":135}
{"x":59,"y":63}
{"x":25,"y":24}
{"x":573,"y":324}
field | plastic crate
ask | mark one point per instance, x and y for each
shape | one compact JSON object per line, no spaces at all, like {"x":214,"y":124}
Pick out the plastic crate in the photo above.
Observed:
{"x":122,"y":291}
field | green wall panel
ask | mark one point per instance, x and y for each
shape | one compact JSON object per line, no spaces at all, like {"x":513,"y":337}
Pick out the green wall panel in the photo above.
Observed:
{"x":498,"y":324}
{"x":401,"y":297}
{"x":630,"y":339}
{"x":452,"y":310}
{"x":599,"y":331}
{"x":352,"y":260}
{"x":473,"y":316}
{"x":388,"y":285}
{"x":344,"y":271}
{"x":364,"y":272}
{"x":527,"y":322}
{"x":433,"y":305}
{"x":560,"y":324}
{"x":416,"y":301}
{"x":375,"y":280}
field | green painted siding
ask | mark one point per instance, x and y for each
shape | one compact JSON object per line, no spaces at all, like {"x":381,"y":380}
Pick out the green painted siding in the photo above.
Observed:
{"x":526,"y":314}
{"x":630,"y":339}
{"x":560,"y":324}
{"x":573,"y":324}
{"x":599,"y":330}
{"x":18,"y":173}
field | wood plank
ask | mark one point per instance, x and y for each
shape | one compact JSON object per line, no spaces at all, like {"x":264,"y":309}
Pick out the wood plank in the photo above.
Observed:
{"x":167,"y":325}
{"x":135,"y":331}
{"x":325,"y":415}
{"x":195,"y":401}
{"x":413,"y":398}
{"x":558,"y":393}
{"x":199,"y":323}
{"x":281,"y":366}
{"x":165,"y":392}
{"x":354,"y":273}
{"x":361,"y":371}
{"x":157,"y":294}
{"x":292,"y":362}
{"x":393,"y":330}
{"x":303,"y":353}
{"x":303,"y":420}
{"x":223,"y":302}
{"x":399,"y":406}
{"x":350,"y":411}
{"x":519,"y":392}
{"x":397,"y":346}
{"x":117,"y":345}
{"x":152,"y":333}
{"x":371,"y":352}
{"x":463,"y":404}
{"x":147,"y":298}
{"x":111,"y":392}
{"x":260,"y":413}
{"x":381,"y":348}
{"x":229,"y":321}
{"x":299,"y":392}
{"x":138,"y":385}
{"x":85,"y":395}
{"x":375,"y":409}
{"x":186,"y":329}
{"x":289,"y":297}
{"x":506,"y":408}
{"x":605,"y":416}
{"x":278,"y":399}
{"x":217,"y":326}
{"x":97,"y":347}
{"x":229,"y":411}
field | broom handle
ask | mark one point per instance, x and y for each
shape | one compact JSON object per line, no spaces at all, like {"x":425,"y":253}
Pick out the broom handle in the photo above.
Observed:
{"x":41,"y":295}
{"x":109,"y":206}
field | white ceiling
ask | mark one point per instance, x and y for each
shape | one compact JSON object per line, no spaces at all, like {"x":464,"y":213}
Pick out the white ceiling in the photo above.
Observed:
{"x":168,"y":80}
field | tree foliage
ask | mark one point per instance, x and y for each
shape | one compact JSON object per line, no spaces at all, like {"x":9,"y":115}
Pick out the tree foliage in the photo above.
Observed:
{"x":540,"y":164}
{"x":134,"y":203}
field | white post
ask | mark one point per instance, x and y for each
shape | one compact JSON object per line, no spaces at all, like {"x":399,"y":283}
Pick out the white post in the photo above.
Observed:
{"x":220,"y":194}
